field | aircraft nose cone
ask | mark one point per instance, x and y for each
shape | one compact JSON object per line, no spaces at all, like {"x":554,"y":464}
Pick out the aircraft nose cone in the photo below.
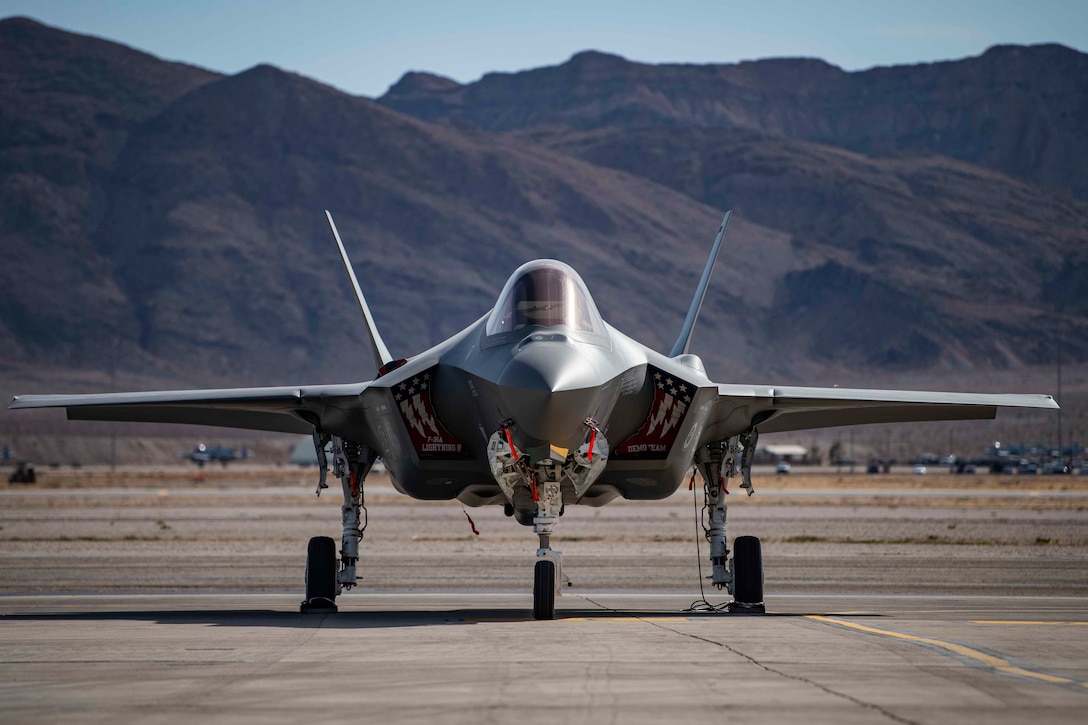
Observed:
{"x":549,"y":367}
{"x":549,"y":389}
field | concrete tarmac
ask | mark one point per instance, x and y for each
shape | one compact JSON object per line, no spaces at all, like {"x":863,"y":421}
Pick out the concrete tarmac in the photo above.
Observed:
{"x":906,"y":607}
{"x":610,"y":657}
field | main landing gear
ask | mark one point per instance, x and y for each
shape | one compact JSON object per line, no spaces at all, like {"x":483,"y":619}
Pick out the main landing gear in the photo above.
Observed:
{"x":539,"y":489}
{"x":327,"y":577}
{"x":741,"y":576}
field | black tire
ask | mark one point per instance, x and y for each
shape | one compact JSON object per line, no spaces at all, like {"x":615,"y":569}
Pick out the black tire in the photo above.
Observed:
{"x":544,"y":590}
{"x":321,"y":569}
{"x":747,"y":570}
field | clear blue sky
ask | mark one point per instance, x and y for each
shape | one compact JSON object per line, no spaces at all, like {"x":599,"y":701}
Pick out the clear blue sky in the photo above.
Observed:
{"x":364,"y":46}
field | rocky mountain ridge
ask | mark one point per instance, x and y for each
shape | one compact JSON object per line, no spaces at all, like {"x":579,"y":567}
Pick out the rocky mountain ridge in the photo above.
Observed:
{"x":1015,"y":109}
{"x":166,"y":221}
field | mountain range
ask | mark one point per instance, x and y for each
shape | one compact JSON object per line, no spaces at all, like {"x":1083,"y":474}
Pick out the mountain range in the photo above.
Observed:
{"x":165,"y":221}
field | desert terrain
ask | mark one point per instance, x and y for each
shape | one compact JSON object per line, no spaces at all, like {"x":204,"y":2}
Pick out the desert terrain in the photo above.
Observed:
{"x":244,"y":528}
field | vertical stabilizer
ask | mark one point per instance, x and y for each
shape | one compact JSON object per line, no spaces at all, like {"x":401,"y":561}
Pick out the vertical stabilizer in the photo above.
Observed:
{"x":682,"y":342}
{"x":381,"y":353}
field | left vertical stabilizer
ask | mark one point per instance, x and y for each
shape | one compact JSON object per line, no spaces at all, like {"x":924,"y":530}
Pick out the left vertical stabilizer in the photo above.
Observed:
{"x":382,"y":358}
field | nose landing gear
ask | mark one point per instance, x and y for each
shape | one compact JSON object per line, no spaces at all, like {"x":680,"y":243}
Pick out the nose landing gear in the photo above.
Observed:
{"x":545,"y":482}
{"x":548,"y":571}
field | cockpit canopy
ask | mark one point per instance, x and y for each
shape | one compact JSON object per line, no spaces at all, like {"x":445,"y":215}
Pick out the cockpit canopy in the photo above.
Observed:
{"x":546,"y":293}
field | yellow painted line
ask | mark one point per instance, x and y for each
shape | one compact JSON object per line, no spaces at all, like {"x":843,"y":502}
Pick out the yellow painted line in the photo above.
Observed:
{"x":560,"y":618}
{"x":997,"y":663}
{"x":625,"y":619}
{"x":1022,"y":621}
{"x":490,"y":620}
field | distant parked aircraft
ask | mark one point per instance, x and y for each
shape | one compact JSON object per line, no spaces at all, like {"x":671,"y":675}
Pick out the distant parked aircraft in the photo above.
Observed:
{"x":202,"y":454}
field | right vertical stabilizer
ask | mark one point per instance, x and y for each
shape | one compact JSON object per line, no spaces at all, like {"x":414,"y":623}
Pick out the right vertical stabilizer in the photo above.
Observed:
{"x":682,"y":342}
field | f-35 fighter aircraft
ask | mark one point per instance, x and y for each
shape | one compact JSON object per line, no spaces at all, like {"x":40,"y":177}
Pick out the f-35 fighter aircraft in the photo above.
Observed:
{"x":202,"y":454}
{"x":536,"y":406}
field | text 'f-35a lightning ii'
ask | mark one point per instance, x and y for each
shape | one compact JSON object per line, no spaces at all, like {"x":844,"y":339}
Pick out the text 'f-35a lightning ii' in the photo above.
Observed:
{"x":538,"y":405}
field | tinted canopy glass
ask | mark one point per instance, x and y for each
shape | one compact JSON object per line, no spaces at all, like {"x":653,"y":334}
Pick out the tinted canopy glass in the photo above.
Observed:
{"x":545,"y":293}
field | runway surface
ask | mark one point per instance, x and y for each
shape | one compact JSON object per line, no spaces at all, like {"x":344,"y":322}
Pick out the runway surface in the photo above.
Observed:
{"x":177,"y":602}
{"x":609,"y":657}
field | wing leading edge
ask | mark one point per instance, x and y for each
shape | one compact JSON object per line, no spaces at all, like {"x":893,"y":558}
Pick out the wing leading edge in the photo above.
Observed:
{"x":284,"y":409}
{"x":775,"y":409}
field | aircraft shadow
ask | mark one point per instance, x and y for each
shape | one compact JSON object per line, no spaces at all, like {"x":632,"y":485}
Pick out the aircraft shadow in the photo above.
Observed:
{"x":371,"y":619}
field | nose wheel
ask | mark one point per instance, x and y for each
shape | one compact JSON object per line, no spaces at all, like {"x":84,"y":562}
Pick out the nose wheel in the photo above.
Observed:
{"x":544,"y":589}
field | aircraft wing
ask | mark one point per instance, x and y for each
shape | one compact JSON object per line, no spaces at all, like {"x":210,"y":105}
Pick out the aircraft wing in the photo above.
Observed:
{"x":283,"y":409}
{"x":774,"y":409}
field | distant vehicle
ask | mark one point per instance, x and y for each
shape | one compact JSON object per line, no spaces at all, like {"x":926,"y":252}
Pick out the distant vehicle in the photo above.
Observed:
{"x":23,"y":473}
{"x":873,"y":468}
{"x":919,"y":470}
{"x":1028,"y":467}
{"x":204,"y":454}
{"x":782,"y":467}
{"x":1055,"y":469}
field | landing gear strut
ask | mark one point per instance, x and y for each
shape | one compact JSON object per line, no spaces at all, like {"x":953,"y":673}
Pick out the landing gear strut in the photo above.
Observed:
{"x":326,"y":578}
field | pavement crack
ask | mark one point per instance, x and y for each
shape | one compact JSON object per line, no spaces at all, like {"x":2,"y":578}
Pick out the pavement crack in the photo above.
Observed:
{"x":767,"y":668}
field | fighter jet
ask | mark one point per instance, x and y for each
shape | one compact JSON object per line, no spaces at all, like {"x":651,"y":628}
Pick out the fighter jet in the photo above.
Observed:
{"x":536,"y":406}
{"x":202,"y":454}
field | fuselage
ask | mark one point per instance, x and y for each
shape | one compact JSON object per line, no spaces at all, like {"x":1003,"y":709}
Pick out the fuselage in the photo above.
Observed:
{"x":543,"y":380}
